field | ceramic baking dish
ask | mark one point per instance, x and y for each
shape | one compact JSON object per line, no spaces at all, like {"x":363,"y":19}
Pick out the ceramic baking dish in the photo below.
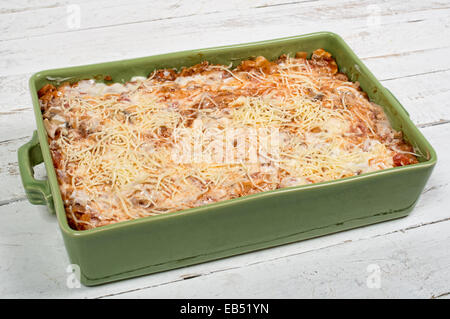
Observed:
{"x":245,"y":224}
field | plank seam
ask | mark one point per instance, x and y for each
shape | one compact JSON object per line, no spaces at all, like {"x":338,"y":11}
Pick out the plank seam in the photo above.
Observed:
{"x":440,"y":295}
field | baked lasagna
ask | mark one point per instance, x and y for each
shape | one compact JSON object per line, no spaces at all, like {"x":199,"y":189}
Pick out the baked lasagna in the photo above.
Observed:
{"x":208,"y":133}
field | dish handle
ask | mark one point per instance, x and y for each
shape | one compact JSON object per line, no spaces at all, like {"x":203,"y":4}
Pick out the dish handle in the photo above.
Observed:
{"x":38,"y":191}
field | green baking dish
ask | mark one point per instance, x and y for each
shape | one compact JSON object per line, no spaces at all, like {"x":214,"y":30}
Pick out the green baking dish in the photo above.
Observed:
{"x":245,"y":224}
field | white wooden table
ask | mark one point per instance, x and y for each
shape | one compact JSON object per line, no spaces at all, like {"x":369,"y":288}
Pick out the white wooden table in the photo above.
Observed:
{"x":405,"y":44}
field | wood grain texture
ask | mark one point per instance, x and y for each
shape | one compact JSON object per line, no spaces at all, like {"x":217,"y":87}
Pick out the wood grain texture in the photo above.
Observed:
{"x":395,"y":33}
{"x":405,"y":46}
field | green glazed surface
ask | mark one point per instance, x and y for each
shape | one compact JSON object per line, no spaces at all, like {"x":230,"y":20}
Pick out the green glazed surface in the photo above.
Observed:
{"x":218,"y":230}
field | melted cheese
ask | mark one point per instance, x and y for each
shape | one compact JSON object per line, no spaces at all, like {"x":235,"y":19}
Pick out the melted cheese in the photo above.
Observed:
{"x":153,"y":146}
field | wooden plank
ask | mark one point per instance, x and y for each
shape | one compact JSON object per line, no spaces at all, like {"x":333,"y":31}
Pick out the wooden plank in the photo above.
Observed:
{"x":9,"y":171}
{"x":33,"y":260}
{"x":9,"y":7}
{"x":408,"y":63}
{"x":424,"y":96}
{"x":394,"y":34}
{"x":42,"y":5}
{"x":56,"y":17}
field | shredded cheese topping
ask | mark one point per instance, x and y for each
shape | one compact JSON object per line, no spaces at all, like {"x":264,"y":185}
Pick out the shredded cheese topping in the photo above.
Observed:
{"x":209,"y":133}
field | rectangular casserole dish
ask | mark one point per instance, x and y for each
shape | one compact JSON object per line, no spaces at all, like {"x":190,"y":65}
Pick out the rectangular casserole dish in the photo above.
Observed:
{"x":158,"y":243}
